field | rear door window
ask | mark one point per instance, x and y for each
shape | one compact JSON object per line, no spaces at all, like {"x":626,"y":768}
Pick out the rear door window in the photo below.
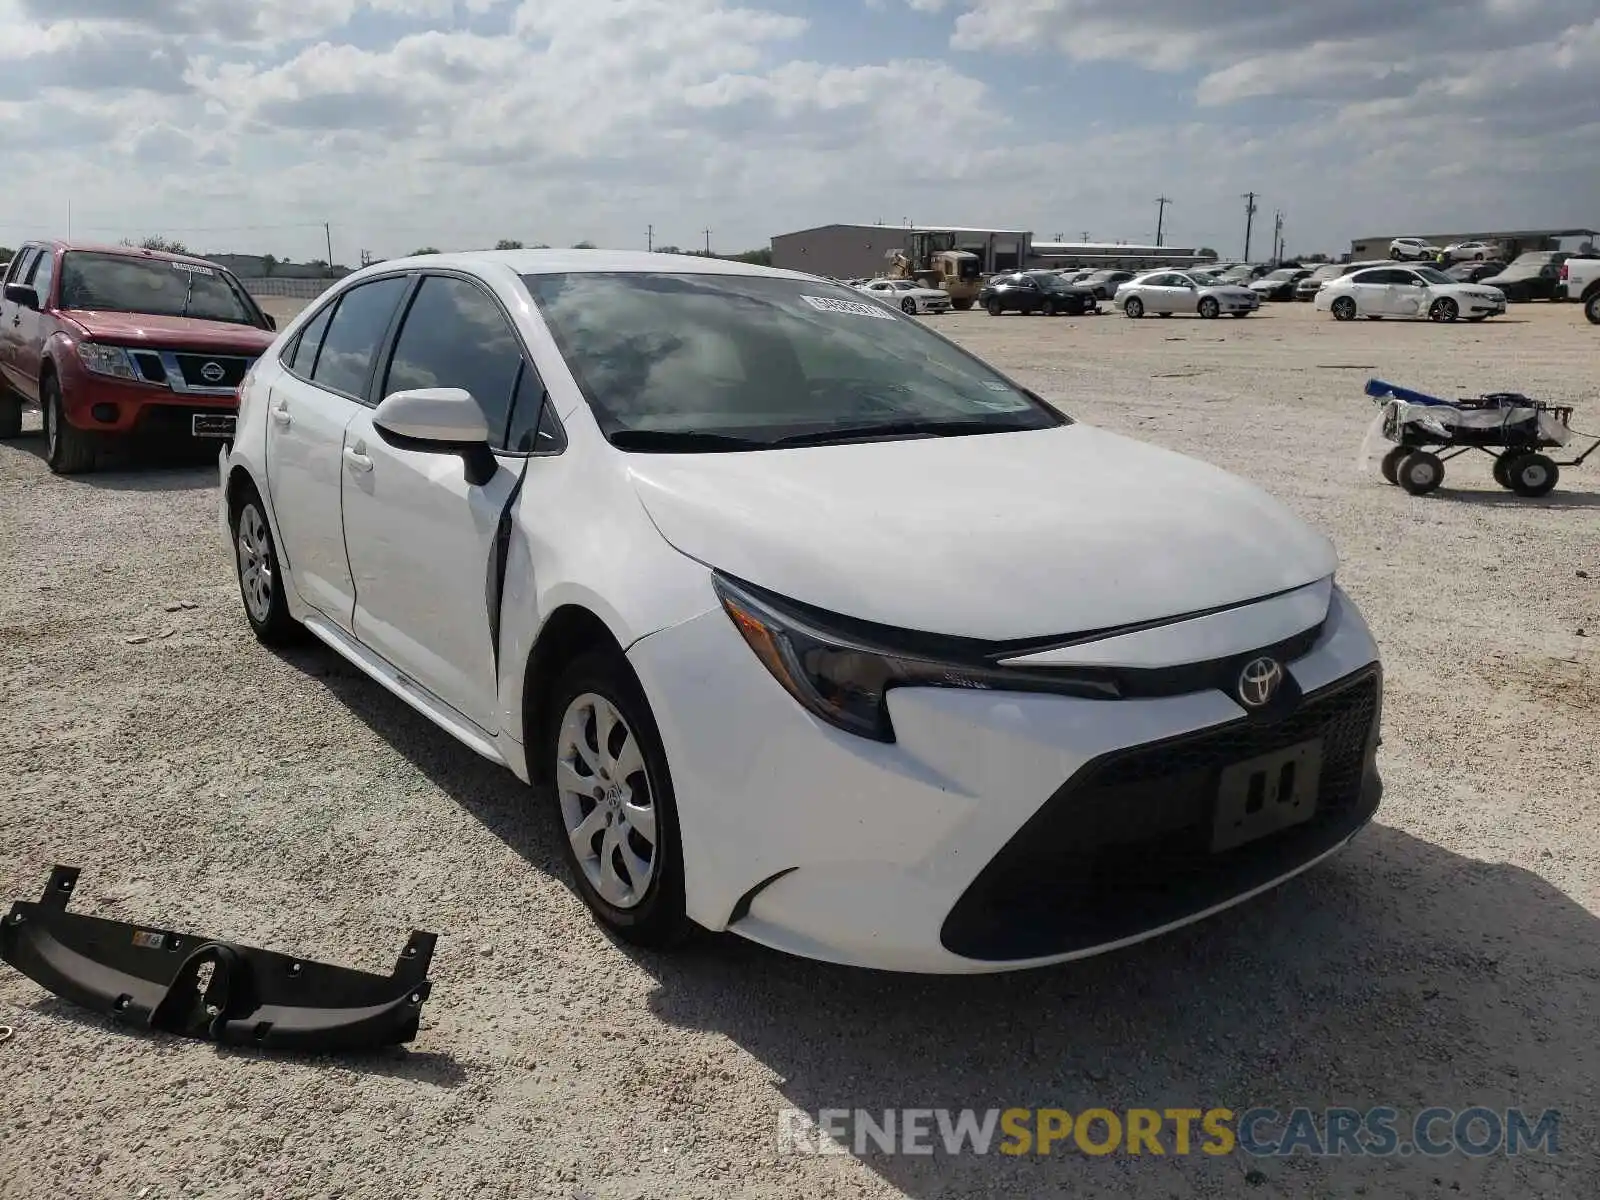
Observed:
{"x":355,"y":335}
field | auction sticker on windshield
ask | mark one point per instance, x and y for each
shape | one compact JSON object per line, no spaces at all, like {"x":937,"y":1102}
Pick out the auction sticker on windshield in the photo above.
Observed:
{"x":859,"y":308}
{"x":192,"y":269}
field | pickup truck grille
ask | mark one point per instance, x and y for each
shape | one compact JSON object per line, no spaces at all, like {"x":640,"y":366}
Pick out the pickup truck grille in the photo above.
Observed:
{"x":187,"y":370}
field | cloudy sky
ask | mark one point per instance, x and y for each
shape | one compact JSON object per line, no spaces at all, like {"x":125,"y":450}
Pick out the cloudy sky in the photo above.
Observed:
{"x":245,"y":124}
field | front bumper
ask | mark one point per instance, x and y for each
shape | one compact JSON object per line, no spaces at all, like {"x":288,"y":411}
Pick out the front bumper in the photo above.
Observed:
{"x":105,"y":405}
{"x":994,"y":833}
{"x":1483,"y":308}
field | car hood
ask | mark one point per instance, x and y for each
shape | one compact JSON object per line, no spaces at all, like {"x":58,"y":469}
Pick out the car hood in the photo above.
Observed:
{"x":999,"y":536}
{"x":133,"y":329}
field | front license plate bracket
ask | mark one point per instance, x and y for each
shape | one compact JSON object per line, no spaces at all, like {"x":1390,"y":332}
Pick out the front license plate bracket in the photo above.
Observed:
{"x":213,"y":425}
{"x":1266,"y":794}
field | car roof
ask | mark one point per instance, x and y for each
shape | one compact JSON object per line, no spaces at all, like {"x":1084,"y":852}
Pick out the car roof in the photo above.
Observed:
{"x":127,"y":252}
{"x":555,"y":262}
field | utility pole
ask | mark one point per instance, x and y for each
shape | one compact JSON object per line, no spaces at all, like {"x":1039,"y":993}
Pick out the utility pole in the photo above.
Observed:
{"x":708,"y":243}
{"x":650,"y":238}
{"x":1161,"y":213}
{"x":327,"y":233}
{"x":1249,"y":221}
{"x":1277,"y":236}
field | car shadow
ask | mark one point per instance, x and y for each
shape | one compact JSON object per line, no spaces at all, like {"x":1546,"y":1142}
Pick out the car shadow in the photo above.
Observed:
{"x":1398,"y":973}
{"x":137,"y":468}
{"x":437,"y":1069}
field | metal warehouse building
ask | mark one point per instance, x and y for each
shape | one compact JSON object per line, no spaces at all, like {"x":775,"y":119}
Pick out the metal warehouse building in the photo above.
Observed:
{"x":862,"y":251}
{"x":1516,"y":242}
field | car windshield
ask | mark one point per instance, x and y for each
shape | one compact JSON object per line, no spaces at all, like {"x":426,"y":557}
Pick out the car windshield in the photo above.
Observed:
{"x":1433,"y":276}
{"x":156,"y":286}
{"x":709,"y":361}
{"x":1047,"y":281}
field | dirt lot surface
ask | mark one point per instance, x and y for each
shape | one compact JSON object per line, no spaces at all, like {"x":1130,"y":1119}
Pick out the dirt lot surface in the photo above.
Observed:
{"x":1450,"y":957}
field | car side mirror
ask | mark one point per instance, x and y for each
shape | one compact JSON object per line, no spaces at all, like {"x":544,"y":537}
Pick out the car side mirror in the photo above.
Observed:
{"x":438,"y":421}
{"x":23,"y":294}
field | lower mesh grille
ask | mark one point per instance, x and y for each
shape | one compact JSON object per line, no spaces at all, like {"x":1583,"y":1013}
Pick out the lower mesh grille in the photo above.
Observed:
{"x":1124,"y":846}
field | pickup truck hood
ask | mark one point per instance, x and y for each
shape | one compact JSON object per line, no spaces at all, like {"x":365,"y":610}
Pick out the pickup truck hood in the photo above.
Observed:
{"x":999,"y":536}
{"x":141,"y":329}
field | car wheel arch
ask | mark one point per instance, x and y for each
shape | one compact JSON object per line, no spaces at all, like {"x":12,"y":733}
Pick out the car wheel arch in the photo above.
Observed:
{"x":567,"y":634}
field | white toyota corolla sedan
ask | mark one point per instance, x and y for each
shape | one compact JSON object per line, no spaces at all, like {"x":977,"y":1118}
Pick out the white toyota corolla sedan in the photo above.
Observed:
{"x":811,"y":625}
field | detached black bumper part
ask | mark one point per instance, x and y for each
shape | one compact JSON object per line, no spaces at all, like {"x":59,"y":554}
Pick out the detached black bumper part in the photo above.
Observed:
{"x":214,"y":990}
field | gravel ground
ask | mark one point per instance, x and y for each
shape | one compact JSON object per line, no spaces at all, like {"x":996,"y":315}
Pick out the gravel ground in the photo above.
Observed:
{"x":1451,"y":956}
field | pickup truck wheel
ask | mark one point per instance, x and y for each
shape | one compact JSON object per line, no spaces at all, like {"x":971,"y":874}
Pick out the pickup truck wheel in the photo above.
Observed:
{"x":255,"y":558}
{"x":68,"y":450}
{"x":1591,"y":309}
{"x":614,"y":796}
{"x":10,"y":414}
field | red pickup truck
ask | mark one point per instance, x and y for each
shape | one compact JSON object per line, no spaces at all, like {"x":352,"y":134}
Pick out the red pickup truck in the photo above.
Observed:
{"x":113,"y":341}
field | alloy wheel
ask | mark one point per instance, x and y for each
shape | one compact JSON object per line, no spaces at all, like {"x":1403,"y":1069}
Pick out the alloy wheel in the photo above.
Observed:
{"x":255,"y":563}
{"x":607,"y":806}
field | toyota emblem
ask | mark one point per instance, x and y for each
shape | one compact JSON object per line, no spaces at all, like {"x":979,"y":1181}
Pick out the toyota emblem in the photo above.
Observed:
{"x":1259,"y":681}
{"x":212,"y":372}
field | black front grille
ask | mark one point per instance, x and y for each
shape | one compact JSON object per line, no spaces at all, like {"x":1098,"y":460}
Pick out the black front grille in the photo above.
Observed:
{"x":150,"y":366}
{"x":1124,"y":846}
{"x":225,"y":371}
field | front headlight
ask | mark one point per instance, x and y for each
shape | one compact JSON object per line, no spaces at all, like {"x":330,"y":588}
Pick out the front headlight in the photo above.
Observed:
{"x":845,"y":680}
{"x":106,"y":360}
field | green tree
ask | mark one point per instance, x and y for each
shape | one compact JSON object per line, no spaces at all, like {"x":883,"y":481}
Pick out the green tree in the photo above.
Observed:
{"x":668,"y":250}
{"x":157,"y":242}
{"x":7,"y":253}
{"x":1206,"y":252}
{"x":268,"y":264}
{"x":425,"y":250}
{"x":761,"y":257}
{"x":583,"y":245}
{"x":508,"y":244}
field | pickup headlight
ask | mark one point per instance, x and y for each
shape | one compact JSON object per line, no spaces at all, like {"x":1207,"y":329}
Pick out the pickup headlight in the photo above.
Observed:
{"x":107,"y":360}
{"x":845,"y":680}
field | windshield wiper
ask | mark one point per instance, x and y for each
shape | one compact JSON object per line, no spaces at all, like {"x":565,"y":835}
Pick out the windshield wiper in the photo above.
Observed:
{"x":682,"y":441}
{"x":909,"y":428}
{"x":188,"y":295}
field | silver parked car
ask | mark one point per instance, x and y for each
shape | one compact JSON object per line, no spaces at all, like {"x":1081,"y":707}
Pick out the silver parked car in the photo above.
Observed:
{"x":1168,"y":292}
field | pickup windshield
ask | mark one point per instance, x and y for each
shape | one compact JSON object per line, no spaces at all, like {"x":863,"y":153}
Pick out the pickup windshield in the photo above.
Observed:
{"x":154,"y":286}
{"x":711,"y":362}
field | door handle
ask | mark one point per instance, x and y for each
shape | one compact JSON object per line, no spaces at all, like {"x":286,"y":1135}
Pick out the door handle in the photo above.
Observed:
{"x":357,"y":462}
{"x":281,"y":415}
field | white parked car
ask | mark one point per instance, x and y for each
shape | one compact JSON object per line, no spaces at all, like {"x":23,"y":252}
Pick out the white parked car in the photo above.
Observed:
{"x":909,"y":296}
{"x":1471,"y":252}
{"x":1166,"y":292}
{"x":809,"y":625}
{"x":1412,"y":249}
{"x":1410,"y":292}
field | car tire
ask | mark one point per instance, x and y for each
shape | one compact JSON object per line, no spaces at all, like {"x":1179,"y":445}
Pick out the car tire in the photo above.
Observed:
{"x":68,"y":449}
{"x":1134,"y":307}
{"x":908,"y":306}
{"x":1420,"y":472}
{"x":1048,"y":308}
{"x":10,"y":414}
{"x":255,"y":562}
{"x":1591,"y":309}
{"x":1394,"y":256}
{"x":1532,"y":475}
{"x":1444,"y":309}
{"x":1389,"y":468}
{"x":599,"y":688}
{"x":1209,"y":308}
{"x":995,"y":307}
